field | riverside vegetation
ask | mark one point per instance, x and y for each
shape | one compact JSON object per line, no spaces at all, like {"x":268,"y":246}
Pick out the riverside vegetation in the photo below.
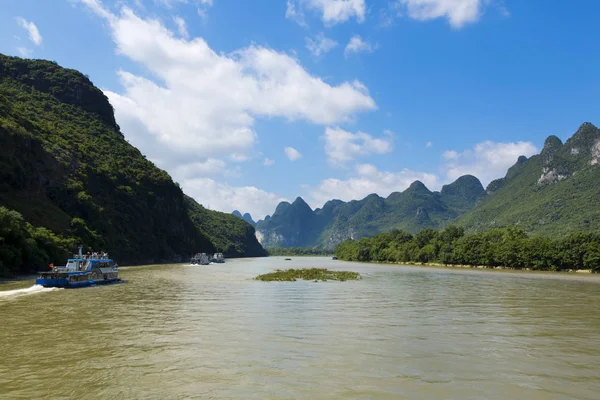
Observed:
{"x":509,"y":247}
{"x":69,"y":177}
{"x":309,"y":274}
{"x":299,"y":251}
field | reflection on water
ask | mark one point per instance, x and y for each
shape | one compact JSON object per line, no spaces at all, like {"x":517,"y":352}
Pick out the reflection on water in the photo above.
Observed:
{"x":178,"y":331}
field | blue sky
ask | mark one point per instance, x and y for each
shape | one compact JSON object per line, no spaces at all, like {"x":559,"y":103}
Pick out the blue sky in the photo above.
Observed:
{"x":246,"y":103}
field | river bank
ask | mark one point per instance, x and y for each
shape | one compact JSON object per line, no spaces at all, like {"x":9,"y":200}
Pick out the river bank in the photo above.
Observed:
{"x":478,"y":267}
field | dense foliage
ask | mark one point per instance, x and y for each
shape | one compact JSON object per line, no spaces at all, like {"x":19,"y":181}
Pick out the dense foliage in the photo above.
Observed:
{"x":297,"y":225}
{"x":309,"y":274}
{"x":66,"y":167}
{"x":22,"y":244}
{"x":508,"y":247}
{"x":298,"y":251}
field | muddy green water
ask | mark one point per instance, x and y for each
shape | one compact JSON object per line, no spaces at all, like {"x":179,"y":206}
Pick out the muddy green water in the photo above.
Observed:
{"x":178,"y":332}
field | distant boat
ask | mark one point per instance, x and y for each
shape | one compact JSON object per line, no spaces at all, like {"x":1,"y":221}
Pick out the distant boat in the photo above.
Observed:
{"x":200,"y":259}
{"x":288,"y":259}
{"x":334,"y":258}
{"x":217,"y":258}
{"x":81,"y":271}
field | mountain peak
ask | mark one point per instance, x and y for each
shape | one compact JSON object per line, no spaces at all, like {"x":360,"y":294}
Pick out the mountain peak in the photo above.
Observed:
{"x":282,"y":207}
{"x":552,"y":144}
{"x":237,"y":213}
{"x":463,"y":193}
{"x":418,"y":186}
{"x":586,"y":126}
{"x":299,"y":203}
{"x":299,"y":200}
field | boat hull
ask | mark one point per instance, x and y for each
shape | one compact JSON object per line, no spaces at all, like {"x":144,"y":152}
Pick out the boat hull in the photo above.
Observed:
{"x":64,"y":283}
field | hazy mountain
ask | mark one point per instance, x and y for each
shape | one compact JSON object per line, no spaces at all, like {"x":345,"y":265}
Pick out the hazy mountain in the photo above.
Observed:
{"x":246,"y":217}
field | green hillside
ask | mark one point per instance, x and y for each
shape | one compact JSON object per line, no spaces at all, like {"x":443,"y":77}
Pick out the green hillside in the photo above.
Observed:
{"x":296,"y":225}
{"x":65,"y":167}
{"x":553,"y":193}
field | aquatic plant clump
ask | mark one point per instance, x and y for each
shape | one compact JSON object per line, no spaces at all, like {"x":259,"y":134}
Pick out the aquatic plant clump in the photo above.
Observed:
{"x":309,"y":274}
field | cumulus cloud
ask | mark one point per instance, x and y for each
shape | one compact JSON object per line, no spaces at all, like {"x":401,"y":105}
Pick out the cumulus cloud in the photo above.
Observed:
{"x":268,"y":162}
{"x":368,"y":179}
{"x":331,"y":11}
{"x":226,"y":198}
{"x":487,"y":160}
{"x":320,"y":44}
{"x":205,"y":103}
{"x":357,"y":45}
{"x":32,"y":30}
{"x":209,"y":167}
{"x":342,"y":146}
{"x":458,"y":12}
{"x":292,"y":154}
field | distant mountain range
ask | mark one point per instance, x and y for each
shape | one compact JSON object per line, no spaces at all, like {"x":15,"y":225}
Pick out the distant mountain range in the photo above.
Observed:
{"x":553,"y":193}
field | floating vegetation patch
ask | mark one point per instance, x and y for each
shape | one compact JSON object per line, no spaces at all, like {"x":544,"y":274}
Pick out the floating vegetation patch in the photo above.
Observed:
{"x":309,"y":274}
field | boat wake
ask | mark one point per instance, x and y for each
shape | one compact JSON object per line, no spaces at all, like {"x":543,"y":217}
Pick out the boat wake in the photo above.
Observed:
{"x":24,"y":292}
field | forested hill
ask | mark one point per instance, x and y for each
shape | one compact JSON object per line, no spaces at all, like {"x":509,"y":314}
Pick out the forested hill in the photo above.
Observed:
{"x":67,"y":170}
{"x":552,"y":193}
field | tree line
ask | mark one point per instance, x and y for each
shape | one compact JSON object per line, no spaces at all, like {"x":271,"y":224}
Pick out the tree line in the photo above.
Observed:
{"x":298,"y":251}
{"x":507,"y":247}
{"x":25,"y":248}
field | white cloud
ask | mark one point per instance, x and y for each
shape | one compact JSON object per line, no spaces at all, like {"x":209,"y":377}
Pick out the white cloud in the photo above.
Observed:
{"x":487,"y":160}
{"x":342,"y":146}
{"x":268,"y":162}
{"x":428,"y":144}
{"x":200,"y":104}
{"x":357,"y":45}
{"x":209,"y":167}
{"x":24,"y":52}
{"x":292,"y":153}
{"x":226,"y":198}
{"x":320,"y":44}
{"x":458,"y":12}
{"x":295,"y":13}
{"x":368,"y":179}
{"x":451,"y":155}
{"x":332,"y":11}
{"x":34,"y":33}
{"x":181,"y":27}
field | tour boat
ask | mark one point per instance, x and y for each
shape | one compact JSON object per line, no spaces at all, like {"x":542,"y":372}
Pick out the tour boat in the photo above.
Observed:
{"x":217,"y":258}
{"x":81,"y":271}
{"x":200,"y":259}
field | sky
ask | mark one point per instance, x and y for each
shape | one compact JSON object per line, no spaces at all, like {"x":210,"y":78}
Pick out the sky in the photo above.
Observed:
{"x":249,"y":103}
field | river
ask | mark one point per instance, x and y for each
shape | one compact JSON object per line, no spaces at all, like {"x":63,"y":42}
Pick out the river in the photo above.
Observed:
{"x":212,"y":332}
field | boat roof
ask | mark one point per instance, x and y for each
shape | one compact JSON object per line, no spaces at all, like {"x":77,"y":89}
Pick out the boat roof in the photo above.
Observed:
{"x":93,"y":260}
